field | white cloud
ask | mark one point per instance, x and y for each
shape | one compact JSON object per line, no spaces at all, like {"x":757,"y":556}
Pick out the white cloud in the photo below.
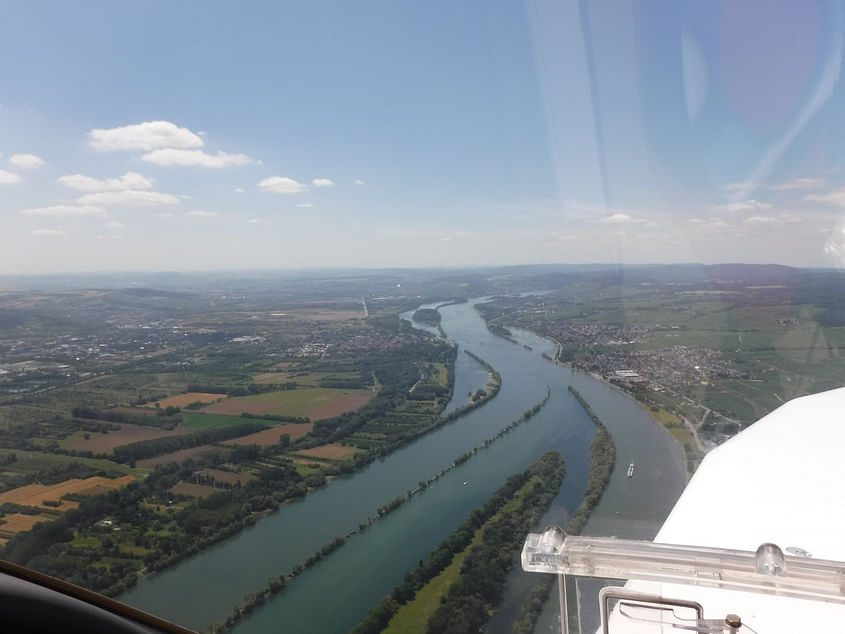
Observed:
{"x":130,"y":180}
{"x":148,"y":136}
{"x":26,"y":161}
{"x":322,"y":182}
{"x":110,"y":237}
{"x":128,"y":198}
{"x":164,"y":214}
{"x":240,"y":190}
{"x":800,"y":183}
{"x":306,"y":205}
{"x":357,"y":181}
{"x":113,"y":224}
{"x":745,"y":205}
{"x":740,"y":190}
{"x":833,"y":198}
{"x":196,"y":158}
{"x":709,"y":222}
{"x":770,"y":220}
{"x":48,"y":232}
{"x":618,"y":219}
{"x":282,"y":185}
{"x":9,"y":178}
{"x":64,"y":210}
{"x":254,"y":221}
{"x":203,"y":214}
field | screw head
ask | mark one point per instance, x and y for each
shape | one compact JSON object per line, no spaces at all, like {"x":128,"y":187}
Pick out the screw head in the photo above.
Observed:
{"x":733,"y":620}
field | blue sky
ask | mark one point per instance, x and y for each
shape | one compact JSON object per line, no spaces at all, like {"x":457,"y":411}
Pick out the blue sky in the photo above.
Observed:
{"x":217,"y":135}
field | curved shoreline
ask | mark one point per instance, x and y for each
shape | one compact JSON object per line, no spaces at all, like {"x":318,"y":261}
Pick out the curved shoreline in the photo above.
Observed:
{"x":616,"y":388}
{"x":256,"y":599}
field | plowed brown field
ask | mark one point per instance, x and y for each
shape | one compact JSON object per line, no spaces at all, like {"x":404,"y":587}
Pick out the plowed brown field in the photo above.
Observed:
{"x":270,"y":436}
{"x":126,"y":434}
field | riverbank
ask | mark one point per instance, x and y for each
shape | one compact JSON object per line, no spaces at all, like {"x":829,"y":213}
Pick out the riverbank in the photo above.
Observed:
{"x":254,"y":600}
{"x":693,"y":454}
{"x":683,"y":433}
{"x":334,"y":594}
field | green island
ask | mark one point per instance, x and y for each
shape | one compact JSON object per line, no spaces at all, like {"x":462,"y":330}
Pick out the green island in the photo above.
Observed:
{"x":462,"y":580}
{"x":427,"y":316}
{"x":602,"y":462}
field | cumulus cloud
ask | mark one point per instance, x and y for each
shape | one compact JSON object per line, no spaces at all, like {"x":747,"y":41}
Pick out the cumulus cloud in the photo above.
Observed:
{"x":306,"y":205}
{"x":202,"y":214}
{"x":322,"y":182}
{"x":357,"y":181}
{"x":618,"y":219}
{"x":26,"y":161}
{"x":48,"y":232}
{"x":741,"y":189}
{"x":130,"y":180}
{"x":745,"y":205}
{"x":64,"y":210}
{"x":254,"y":221}
{"x":147,"y":136}
{"x":282,"y":185}
{"x":800,"y":183}
{"x":128,"y":198}
{"x":195,"y":158}
{"x":113,"y":224}
{"x":240,"y":190}
{"x":770,"y":220}
{"x":709,"y":222}
{"x":9,"y":178}
{"x":833,"y":198}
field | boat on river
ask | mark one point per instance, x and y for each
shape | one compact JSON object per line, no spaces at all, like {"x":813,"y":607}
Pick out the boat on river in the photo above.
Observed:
{"x":631,"y":470}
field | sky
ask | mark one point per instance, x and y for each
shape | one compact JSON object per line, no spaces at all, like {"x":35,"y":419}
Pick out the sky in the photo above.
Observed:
{"x":276,"y":135}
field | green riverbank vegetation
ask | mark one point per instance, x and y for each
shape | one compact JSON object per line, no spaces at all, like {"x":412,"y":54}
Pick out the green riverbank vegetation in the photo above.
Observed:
{"x":468,"y":570}
{"x":602,"y":462}
{"x":254,"y":600}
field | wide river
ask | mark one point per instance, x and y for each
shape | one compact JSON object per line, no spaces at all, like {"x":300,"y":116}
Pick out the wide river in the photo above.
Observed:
{"x":336,"y":593}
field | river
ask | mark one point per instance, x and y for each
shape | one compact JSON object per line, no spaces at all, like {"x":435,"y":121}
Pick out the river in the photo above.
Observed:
{"x":337,"y":592}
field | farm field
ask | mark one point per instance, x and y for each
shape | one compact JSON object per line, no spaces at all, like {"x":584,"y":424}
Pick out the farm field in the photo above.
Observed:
{"x":128,"y":433}
{"x":270,"y":436}
{"x":270,"y":378}
{"x":181,"y":400}
{"x":18,"y":522}
{"x":28,"y":462}
{"x":180,"y":456}
{"x":328,"y":452}
{"x":37,"y":494}
{"x":225,"y":476}
{"x":315,"y":403}
{"x":196,"y":421}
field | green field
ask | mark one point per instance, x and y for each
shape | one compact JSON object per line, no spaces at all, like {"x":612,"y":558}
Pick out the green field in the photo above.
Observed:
{"x":299,"y":402}
{"x":439,"y":373}
{"x":413,"y":616}
{"x":33,"y":462}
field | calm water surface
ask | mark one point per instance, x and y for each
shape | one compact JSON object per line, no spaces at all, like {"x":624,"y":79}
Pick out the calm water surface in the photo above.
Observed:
{"x":337,"y":592}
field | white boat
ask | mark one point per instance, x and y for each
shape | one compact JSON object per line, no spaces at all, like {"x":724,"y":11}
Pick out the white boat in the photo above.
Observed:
{"x":631,"y":470}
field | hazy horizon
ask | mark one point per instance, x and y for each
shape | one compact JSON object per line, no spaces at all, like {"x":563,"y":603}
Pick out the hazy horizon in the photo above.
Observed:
{"x":268,"y":135}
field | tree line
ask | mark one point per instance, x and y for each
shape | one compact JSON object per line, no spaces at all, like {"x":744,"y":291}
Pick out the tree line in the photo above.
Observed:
{"x":479,"y":587}
{"x":168,"y":444}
